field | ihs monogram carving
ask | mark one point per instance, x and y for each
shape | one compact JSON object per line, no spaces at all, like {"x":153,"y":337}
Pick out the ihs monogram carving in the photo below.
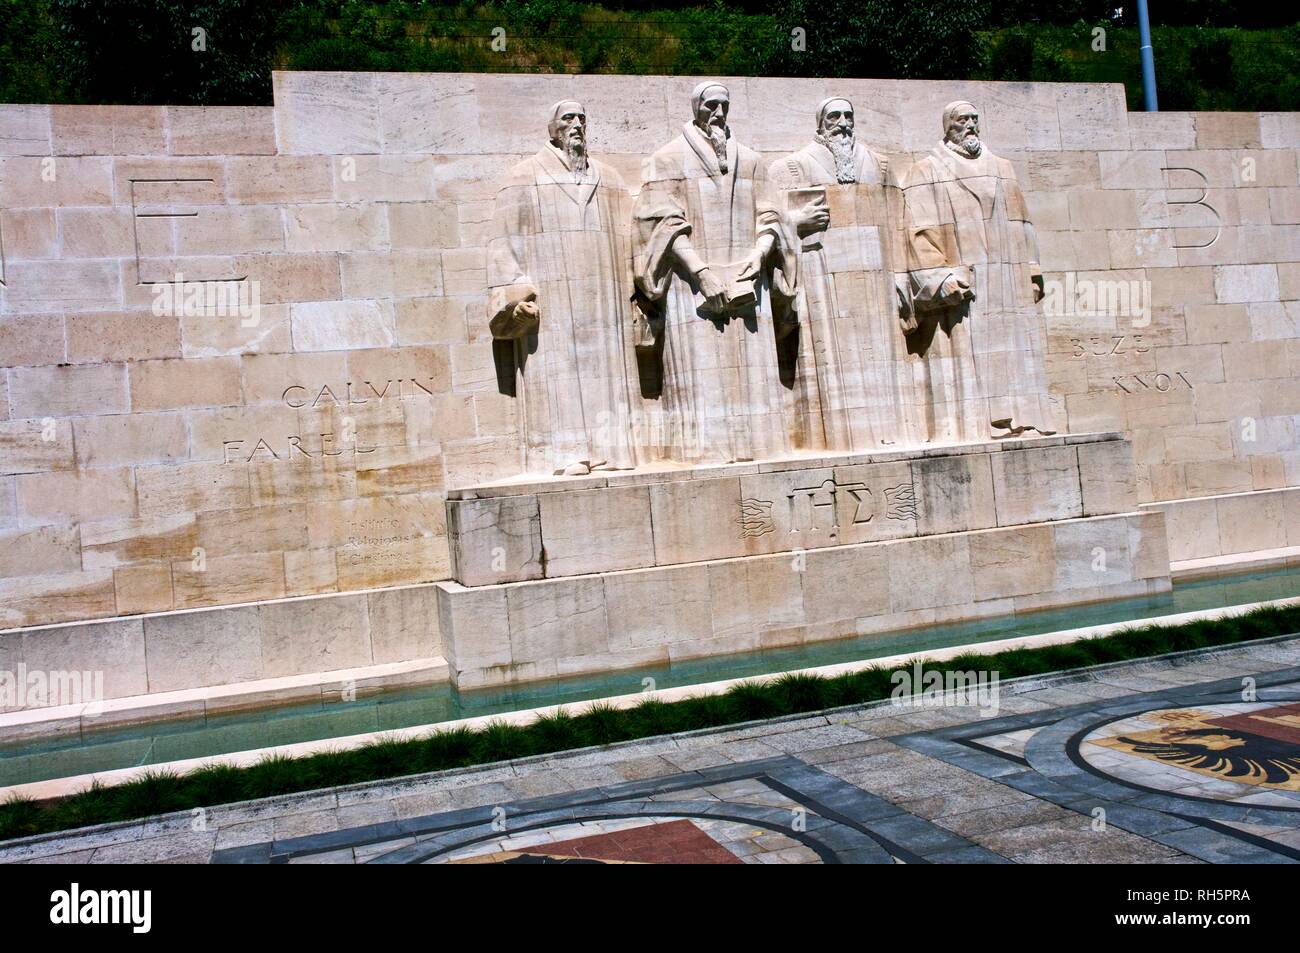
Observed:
{"x":828,"y":507}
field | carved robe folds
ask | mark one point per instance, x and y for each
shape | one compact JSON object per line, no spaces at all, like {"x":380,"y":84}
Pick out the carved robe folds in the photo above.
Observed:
{"x":845,"y":359}
{"x":564,"y":244}
{"x":720,"y":396}
{"x":982,"y":360}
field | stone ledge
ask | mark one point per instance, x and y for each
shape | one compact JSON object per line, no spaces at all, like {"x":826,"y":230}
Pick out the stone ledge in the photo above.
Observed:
{"x":235,"y":646}
{"x":1234,"y":564}
{"x":1206,"y":527}
{"x":548,"y":628}
{"x":527,"y":530}
{"x":671,"y":473}
{"x":71,"y":720}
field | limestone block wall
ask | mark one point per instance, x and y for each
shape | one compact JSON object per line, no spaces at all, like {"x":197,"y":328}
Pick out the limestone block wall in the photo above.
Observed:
{"x":571,"y":625}
{"x":155,"y":461}
{"x":1233,"y":523}
{"x":346,"y":634}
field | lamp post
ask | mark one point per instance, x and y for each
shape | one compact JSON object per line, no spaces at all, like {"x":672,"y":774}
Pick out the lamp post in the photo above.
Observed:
{"x":1148,"y":59}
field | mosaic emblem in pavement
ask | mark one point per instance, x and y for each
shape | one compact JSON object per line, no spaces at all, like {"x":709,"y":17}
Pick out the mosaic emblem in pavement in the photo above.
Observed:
{"x":1248,"y":744}
{"x":1196,"y":769}
{"x":1193,"y":770}
{"x":774,"y":810}
{"x":634,"y":841}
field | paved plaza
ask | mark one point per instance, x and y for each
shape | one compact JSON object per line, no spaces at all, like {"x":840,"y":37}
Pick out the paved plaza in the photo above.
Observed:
{"x":1188,"y":759}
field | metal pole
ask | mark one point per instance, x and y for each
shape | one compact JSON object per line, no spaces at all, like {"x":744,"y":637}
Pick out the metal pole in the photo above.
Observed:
{"x":1148,"y":60}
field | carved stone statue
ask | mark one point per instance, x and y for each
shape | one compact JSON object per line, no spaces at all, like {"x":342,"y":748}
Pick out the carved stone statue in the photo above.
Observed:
{"x":709,"y":241}
{"x":976,"y":339}
{"x":844,"y":360}
{"x":557,"y":271}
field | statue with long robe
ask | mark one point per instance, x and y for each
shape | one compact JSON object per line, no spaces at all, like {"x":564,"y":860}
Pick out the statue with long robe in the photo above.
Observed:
{"x":975,"y":339}
{"x":708,"y":243}
{"x":846,"y":355}
{"x":558,"y":303}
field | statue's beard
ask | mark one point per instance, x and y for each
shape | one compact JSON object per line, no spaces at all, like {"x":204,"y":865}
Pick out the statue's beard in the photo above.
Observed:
{"x":575,"y":150}
{"x":970,"y":147}
{"x":841,"y":147}
{"x":717,"y":136}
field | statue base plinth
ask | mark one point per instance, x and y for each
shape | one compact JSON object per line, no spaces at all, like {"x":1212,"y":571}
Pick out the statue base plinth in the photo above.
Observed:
{"x":577,"y":575}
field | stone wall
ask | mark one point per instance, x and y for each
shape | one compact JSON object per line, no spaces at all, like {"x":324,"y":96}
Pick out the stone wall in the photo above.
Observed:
{"x":645,"y":569}
{"x":154,"y":462}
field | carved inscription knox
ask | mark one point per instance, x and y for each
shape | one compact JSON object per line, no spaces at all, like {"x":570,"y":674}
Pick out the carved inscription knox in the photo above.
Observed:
{"x":1162,"y":382}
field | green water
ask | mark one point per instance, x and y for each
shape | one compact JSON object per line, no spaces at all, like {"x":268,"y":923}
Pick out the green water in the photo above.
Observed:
{"x":108,"y":749}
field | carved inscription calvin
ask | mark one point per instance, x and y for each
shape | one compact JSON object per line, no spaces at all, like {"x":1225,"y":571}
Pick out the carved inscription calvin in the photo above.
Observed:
{"x":829,"y":507}
{"x":365,"y":392}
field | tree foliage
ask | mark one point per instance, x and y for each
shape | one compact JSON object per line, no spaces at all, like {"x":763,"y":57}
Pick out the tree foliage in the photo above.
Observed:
{"x":1210,"y":54}
{"x":148,"y":51}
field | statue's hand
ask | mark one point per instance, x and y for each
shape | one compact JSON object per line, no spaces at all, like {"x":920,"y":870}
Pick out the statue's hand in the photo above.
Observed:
{"x":1038,"y":288}
{"x":753,"y":266}
{"x":955,"y":290}
{"x":906,"y":313}
{"x":528,"y":315}
{"x":714,"y":291}
{"x":813,"y":217}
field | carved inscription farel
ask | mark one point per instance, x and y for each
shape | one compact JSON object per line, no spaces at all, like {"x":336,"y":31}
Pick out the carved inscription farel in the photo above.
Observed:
{"x":302,"y":448}
{"x":295,"y":448}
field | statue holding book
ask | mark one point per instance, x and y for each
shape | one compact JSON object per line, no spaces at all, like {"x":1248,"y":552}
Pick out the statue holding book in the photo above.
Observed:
{"x":710,"y":245}
{"x":844,"y":357}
